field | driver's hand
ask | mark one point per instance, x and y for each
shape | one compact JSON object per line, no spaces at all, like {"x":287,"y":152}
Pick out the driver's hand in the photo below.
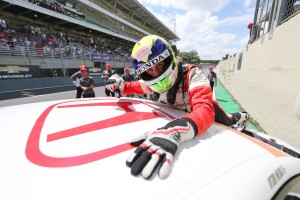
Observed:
{"x":158,"y":148}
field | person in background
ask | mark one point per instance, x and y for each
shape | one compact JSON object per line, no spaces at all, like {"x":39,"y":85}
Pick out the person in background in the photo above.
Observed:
{"x":144,"y":96}
{"x":250,"y":33}
{"x":212,"y":77}
{"x":127,"y":77}
{"x":76,"y":80}
{"x":185,"y":88}
{"x":108,"y":72}
{"x":87,"y":83}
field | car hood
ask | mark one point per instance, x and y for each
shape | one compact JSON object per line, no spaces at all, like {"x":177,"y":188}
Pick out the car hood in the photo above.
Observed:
{"x":77,"y":148}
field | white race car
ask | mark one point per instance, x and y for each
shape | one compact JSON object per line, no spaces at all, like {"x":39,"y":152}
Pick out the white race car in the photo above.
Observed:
{"x":77,"y":149}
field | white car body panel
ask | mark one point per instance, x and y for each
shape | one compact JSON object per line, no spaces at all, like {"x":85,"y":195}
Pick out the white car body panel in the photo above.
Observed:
{"x":76,"y":149}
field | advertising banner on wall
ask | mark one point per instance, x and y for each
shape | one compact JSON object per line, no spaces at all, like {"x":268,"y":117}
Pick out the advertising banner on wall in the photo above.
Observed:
{"x":95,"y":71}
{"x":19,"y":71}
{"x":98,"y":56}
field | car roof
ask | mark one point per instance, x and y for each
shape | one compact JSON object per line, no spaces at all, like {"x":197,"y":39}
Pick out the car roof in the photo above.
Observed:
{"x":77,"y":148}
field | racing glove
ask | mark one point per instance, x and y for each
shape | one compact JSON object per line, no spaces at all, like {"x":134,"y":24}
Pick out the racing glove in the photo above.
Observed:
{"x":157,"y":148}
{"x":114,"y":82}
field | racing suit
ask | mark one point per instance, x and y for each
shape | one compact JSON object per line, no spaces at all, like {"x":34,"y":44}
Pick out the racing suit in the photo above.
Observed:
{"x":191,"y":93}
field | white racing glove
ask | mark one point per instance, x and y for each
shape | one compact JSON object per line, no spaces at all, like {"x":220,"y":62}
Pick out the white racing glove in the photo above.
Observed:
{"x":157,"y":148}
{"x":114,"y":82}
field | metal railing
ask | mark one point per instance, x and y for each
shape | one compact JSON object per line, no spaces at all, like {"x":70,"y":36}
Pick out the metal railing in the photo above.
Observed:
{"x":271,"y":13}
{"x":76,"y":51}
{"x":292,"y":8}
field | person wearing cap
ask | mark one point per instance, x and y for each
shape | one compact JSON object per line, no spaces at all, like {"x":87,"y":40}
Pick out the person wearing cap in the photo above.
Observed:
{"x":127,"y":77}
{"x":87,"y":83}
{"x":249,"y":26}
{"x":107,"y":73}
{"x":212,"y":77}
{"x":182,"y":87}
{"x":76,"y":80}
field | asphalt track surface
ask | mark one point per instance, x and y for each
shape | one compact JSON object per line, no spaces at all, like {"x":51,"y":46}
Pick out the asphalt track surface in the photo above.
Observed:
{"x":30,"y":98}
{"x":33,"y":92}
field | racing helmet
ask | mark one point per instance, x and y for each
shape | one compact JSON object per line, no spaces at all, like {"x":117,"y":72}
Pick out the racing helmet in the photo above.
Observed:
{"x":148,"y":52}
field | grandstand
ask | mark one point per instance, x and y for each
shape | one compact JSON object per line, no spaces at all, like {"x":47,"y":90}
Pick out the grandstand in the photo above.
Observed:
{"x":52,"y":38}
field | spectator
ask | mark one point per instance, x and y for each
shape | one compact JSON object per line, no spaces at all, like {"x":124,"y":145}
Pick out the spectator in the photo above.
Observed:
{"x":212,"y":77}
{"x":250,"y":33}
{"x":87,"y":83}
{"x":127,"y":77}
{"x":105,"y":76}
{"x":76,"y":80}
{"x":11,"y":43}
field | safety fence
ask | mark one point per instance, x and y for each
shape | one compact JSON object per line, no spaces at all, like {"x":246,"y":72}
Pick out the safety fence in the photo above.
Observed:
{"x":272,"y":13}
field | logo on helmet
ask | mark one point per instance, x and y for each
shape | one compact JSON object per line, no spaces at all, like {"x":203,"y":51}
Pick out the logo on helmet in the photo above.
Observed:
{"x":142,"y":52}
{"x":153,"y":62}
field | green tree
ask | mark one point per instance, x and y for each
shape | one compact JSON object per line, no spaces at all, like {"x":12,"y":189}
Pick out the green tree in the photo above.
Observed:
{"x":184,"y":56}
{"x":190,"y":57}
{"x":193,"y":57}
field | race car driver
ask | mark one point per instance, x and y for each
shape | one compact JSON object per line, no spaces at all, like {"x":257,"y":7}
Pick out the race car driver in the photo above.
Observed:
{"x":184,"y":88}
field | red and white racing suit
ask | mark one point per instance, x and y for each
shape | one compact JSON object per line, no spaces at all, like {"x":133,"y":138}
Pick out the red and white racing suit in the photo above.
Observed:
{"x":197,"y":99}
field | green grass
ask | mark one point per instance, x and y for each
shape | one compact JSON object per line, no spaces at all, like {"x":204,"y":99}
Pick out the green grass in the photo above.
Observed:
{"x":231,"y":105}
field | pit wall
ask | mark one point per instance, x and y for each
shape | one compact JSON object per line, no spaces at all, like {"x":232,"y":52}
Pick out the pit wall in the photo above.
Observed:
{"x":265,"y":79}
{"x":12,"y":85}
